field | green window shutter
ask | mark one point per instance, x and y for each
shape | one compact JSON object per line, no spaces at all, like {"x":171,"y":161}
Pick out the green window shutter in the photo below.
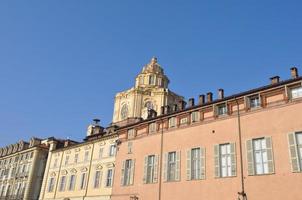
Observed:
{"x":189,"y":164}
{"x":155,"y":174}
{"x":132,"y":172}
{"x":270,"y":156}
{"x":202,"y":163}
{"x":165,"y":172}
{"x":250,"y":157}
{"x":293,"y":153}
{"x":145,"y":169}
{"x":177,"y":171}
{"x":233,"y":159}
{"x":216,"y":161}
{"x":123,"y":172}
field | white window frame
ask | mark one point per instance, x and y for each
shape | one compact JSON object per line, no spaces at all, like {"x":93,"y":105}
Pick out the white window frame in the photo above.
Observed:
{"x":296,"y":92}
{"x":172,"y":122}
{"x":62,"y":184}
{"x":261,"y":166}
{"x":195,"y":116}
{"x":225,"y":158}
{"x":72,"y":182}
{"x":83,"y":181}
{"x":171,"y":166}
{"x":97,"y":179}
{"x":109,"y":177}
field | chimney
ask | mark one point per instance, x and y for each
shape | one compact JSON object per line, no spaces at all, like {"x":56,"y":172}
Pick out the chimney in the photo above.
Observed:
{"x":182,"y":105}
{"x":294,"y":72}
{"x":201,"y":99}
{"x":167,"y":109}
{"x":275,"y":79}
{"x":175,"y":108}
{"x":209,"y":97}
{"x":220,"y":94}
{"x":162,"y":110}
{"x":191,"y":102}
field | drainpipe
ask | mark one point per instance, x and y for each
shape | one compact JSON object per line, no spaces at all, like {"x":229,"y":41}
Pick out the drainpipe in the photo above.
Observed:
{"x":89,"y":172}
{"x":161,"y":160}
{"x":242,"y":193}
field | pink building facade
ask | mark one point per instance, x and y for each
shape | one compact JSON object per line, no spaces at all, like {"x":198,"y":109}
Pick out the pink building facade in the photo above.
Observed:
{"x":245,"y":146}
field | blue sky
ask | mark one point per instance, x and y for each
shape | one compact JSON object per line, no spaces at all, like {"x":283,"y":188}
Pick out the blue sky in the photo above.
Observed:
{"x":61,"y":62}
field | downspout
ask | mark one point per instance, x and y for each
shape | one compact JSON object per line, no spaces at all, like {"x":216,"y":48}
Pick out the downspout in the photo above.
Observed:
{"x":88,"y":175}
{"x":242,"y":193}
{"x":161,"y":160}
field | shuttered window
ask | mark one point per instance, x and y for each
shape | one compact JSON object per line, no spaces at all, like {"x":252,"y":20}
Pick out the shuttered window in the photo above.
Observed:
{"x":295,"y":149}
{"x":172,"y":166}
{"x":196,"y":164}
{"x":127,"y":172}
{"x":150,"y":169}
{"x":172,"y":122}
{"x":195,"y":116}
{"x":225,"y":160}
{"x":260,"y":156}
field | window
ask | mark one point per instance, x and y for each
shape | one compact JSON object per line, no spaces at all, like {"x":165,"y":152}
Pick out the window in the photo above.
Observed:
{"x":124,"y":112}
{"x":184,"y":121}
{"x":141,"y":80}
{"x":112,"y":150}
{"x":260,"y":156}
{"x":195,"y":164}
{"x":129,"y":147}
{"x":127,"y":172}
{"x":131,"y":133}
{"x":254,"y":101}
{"x":109,"y":178}
{"x":97,"y":179}
{"x":149,"y":105}
{"x":72,"y":182}
{"x":150,"y":169}
{"x":62,"y":183}
{"x":296,"y":92}
{"x":83,"y":181}
{"x":86,"y":157}
{"x":66,"y":160}
{"x":172,"y":166}
{"x":152,"y":127}
{"x":195,"y":116}
{"x":51,"y":184}
{"x":295,"y":146}
{"x":76,"y":158}
{"x":222,"y":109}
{"x":172,"y":122}
{"x":225,"y":160}
{"x":151,"y":80}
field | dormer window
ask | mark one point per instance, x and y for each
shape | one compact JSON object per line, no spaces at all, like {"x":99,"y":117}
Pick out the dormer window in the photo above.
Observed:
{"x":172,"y":122}
{"x":222,"y":109}
{"x":254,"y":101}
{"x":131,"y":133}
{"x":296,"y":92}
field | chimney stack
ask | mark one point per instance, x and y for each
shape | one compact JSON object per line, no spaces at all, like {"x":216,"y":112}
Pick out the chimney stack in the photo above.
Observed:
{"x":209,"y":97}
{"x":182,"y":105}
{"x":201,"y":99}
{"x":275,"y":79}
{"x":294,"y":72}
{"x":191,"y":102}
{"x":220,"y":94}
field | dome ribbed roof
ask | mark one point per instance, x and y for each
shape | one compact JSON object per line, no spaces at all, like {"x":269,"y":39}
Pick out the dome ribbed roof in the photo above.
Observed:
{"x":153,"y":67}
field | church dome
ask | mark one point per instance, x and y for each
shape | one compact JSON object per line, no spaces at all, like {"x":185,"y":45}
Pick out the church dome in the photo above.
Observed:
{"x":153,"y":67}
{"x":152,"y":75}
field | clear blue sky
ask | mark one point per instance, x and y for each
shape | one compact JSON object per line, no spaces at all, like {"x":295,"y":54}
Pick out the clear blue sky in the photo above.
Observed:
{"x":61,"y":62}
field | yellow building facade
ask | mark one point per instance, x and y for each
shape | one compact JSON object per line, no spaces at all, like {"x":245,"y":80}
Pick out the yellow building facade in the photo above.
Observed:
{"x":82,"y":170}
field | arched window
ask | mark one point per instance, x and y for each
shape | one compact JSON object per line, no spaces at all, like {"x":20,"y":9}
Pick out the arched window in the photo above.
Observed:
{"x":124,"y":111}
{"x":151,"y":80}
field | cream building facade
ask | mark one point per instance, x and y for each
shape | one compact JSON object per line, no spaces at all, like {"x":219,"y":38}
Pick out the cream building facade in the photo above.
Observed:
{"x":82,"y":170}
{"x":21,"y":169}
{"x":150,"y":92}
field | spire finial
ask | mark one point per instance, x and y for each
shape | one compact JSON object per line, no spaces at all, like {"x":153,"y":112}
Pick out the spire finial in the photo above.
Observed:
{"x":153,"y":60}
